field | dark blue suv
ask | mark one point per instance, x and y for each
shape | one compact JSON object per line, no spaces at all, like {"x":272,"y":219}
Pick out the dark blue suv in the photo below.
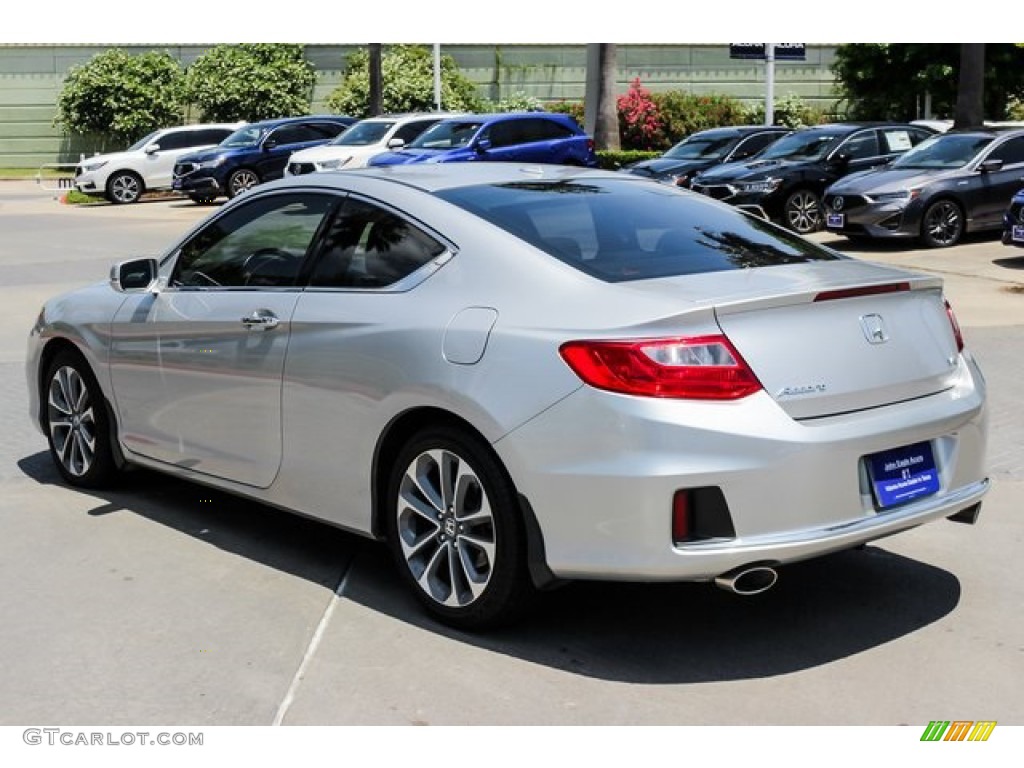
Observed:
{"x":255,"y":153}
{"x":531,"y":137}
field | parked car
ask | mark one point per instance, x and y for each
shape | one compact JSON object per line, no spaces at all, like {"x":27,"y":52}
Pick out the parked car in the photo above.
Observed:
{"x":1013,"y":221}
{"x":359,"y":142}
{"x":785,"y":182}
{"x":705,"y":149}
{"x":253,"y":154}
{"x":147,"y":165}
{"x":956,"y":182}
{"x":519,"y":374}
{"x":531,"y":137}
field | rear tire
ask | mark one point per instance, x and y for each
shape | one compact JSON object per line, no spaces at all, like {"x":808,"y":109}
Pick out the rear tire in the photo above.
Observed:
{"x":456,"y":530}
{"x":76,"y":422}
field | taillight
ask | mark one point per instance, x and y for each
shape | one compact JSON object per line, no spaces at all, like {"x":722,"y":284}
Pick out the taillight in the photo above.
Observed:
{"x":695,"y":368}
{"x":956,"y":327}
{"x":864,"y":290}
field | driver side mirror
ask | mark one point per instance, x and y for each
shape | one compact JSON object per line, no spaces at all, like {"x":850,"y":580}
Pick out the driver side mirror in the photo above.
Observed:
{"x":135,"y":276}
{"x":396,"y":143}
{"x":269,"y":144}
{"x":150,"y":149}
{"x":841,"y":159}
{"x":482,"y":146}
{"x":990,"y":166}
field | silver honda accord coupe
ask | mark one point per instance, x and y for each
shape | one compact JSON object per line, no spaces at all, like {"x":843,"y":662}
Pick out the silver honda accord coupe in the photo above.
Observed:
{"x":517,"y":376}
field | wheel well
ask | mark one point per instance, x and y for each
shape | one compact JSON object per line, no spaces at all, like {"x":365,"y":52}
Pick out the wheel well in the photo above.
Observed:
{"x":395,"y":436}
{"x":130,"y":172}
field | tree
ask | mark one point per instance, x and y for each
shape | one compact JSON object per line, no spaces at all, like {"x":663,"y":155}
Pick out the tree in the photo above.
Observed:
{"x":601,"y":115}
{"x":251,"y":81}
{"x":889,"y":81}
{"x":407,"y":72}
{"x":122,"y":96}
{"x":970,"y":92}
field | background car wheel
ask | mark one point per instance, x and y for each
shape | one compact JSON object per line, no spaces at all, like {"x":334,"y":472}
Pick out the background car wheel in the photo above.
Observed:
{"x":76,"y":421}
{"x":202,"y":199}
{"x":942,"y":224}
{"x":802,"y":212}
{"x":241,"y":180}
{"x":456,"y":530}
{"x":124,"y":187}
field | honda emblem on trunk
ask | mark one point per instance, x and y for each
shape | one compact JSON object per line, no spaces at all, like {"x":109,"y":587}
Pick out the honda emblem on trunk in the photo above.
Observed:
{"x":874,"y":329}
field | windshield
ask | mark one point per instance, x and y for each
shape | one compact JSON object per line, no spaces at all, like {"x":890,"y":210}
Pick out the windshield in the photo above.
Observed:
{"x":803,"y":145}
{"x":142,"y":142}
{"x":699,"y":147}
{"x":249,"y":136}
{"x":363,"y":134}
{"x":946,"y":151}
{"x":448,"y":134}
{"x":620,"y":231}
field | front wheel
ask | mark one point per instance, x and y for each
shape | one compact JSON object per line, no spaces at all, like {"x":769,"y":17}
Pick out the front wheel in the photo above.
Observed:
{"x":455,"y":530}
{"x":802,"y":212}
{"x":124,"y":187}
{"x":241,"y":180}
{"x":77,"y":424}
{"x":942,"y":224}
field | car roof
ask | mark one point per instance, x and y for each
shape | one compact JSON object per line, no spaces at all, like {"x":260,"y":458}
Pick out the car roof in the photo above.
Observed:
{"x":498,"y":116}
{"x":276,"y":121}
{"x":433,"y":177}
{"x":993,"y":131}
{"x":856,"y":125}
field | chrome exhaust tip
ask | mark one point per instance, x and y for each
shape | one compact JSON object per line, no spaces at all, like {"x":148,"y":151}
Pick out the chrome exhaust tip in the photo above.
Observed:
{"x":747,"y":580}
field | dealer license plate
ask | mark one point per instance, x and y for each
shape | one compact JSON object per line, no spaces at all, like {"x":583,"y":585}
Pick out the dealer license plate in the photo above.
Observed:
{"x":836,"y":220}
{"x":903,"y":474}
{"x":1018,"y":233}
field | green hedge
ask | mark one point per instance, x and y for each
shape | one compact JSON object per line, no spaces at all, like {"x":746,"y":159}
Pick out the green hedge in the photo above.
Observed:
{"x":611,"y":159}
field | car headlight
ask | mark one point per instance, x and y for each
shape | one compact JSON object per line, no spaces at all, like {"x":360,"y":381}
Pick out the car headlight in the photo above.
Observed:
{"x":333,"y":165}
{"x":903,"y":194}
{"x":767,"y":186}
{"x":90,"y":167}
{"x":215,"y":163}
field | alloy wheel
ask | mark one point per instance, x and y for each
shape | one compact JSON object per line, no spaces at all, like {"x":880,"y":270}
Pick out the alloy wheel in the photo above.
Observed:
{"x":125,"y":188}
{"x":803,"y":212}
{"x":242,"y":180}
{"x":446,"y":528}
{"x":943,"y":224}
{"x":72,"y":421}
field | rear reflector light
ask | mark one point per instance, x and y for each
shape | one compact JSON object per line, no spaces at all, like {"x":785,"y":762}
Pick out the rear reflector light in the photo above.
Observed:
{"x":864,"y":290}
{"x":681,"y":516}
{"x":956,"y":327}
{"x":695,"y":368}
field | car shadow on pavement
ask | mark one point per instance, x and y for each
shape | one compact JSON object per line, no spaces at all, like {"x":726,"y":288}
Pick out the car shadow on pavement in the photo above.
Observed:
{"x":819,"y":611}
{"x":1016,"y":262}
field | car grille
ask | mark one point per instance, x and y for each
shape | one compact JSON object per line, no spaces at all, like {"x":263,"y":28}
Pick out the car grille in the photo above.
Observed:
{"x":717,"y":191}
{"x":849,"y":203}
{"x":299,"y":169}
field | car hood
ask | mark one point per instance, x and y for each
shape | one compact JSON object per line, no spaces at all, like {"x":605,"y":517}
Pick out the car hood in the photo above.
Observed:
{"x":212,"y":154}
{"x":751,"y":170}
{"x":882,"y":180}
{"x":111,"y":157}
{"x":667,"y":166}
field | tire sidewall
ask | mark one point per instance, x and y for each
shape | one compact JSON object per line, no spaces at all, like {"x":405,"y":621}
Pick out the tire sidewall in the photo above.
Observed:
{"x":115,"y":177}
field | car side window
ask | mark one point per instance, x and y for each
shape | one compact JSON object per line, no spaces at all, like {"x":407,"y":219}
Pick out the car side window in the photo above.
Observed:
{"x":369,"y":247}
{"x":208,"y":136}
{"x":505,"y":133}
{"x":861,"y":146}
{"x":175,"y":140}
{"x":1011,"y":152}
{"x":540,"y":129}
{"x":896,"y":140}
{"x":751,"y":145}
{"x":410,"y":131}
{"x":294,"y":134}
{"x":262,"y":243}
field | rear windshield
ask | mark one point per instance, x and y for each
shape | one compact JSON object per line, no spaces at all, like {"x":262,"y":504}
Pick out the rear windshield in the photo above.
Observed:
{"x":621,"y":230}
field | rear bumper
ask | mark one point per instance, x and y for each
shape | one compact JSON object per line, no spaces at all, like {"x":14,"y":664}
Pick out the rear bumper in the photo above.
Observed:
{"x":600,"y":472}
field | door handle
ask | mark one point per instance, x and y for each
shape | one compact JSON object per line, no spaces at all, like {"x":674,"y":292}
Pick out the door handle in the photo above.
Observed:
{"x":262,"y":319}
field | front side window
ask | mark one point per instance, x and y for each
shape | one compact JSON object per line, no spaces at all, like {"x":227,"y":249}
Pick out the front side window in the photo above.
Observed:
{"x":1011,"y":152}
{"x":369,"y":247}
{"x":860,"y":146}
{"x":262,"y":243}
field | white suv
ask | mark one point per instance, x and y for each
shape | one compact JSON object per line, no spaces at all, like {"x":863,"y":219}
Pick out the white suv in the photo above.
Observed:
{"x":122,"y":177}
{"x":356,"y":145}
